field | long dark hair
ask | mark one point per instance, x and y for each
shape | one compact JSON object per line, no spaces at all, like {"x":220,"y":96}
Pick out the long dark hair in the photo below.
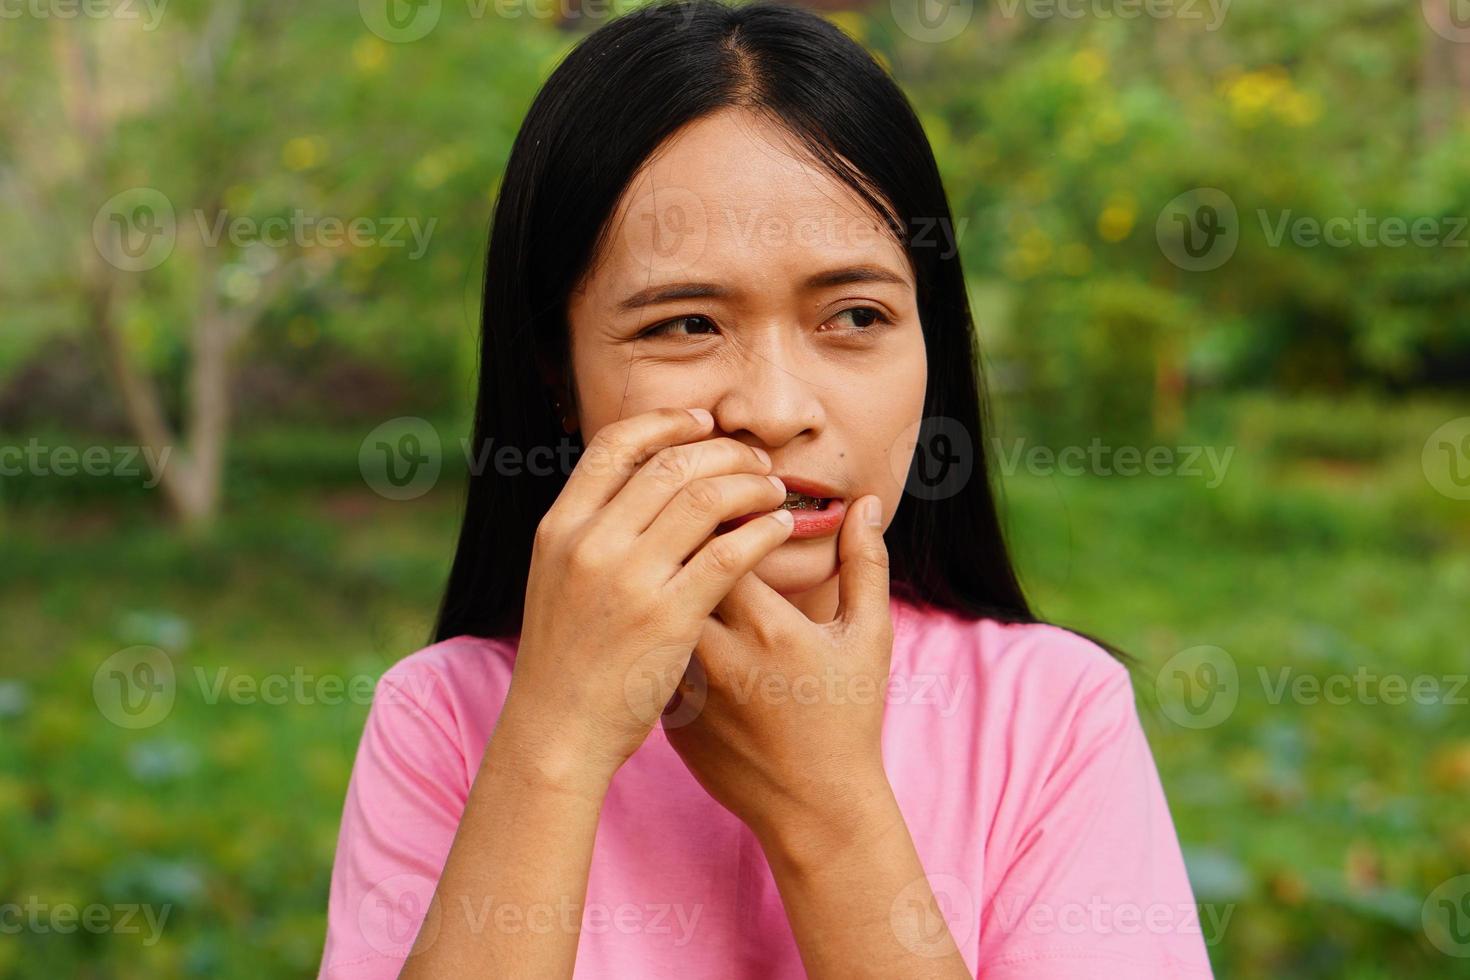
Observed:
{"x":616,"y":97}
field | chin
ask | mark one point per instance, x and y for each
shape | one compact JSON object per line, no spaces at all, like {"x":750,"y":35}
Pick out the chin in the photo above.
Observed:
{"x":797,"y":566}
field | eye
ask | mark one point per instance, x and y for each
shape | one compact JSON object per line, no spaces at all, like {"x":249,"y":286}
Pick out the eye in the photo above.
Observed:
{"x":866,"y":319}
{"x":661,"y":329}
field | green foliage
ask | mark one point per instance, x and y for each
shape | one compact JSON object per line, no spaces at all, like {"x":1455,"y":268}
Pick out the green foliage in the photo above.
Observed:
{"x":1319,"y":826}
{"x":1062,"y":142}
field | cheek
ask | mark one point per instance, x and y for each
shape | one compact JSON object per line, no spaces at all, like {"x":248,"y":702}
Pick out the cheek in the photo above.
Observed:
{"x":902,"y":427}
{"x":615,"y":385}
{"x":882,"y":419}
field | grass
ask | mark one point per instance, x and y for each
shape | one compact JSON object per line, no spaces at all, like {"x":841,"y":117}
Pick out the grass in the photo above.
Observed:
{"x":1322,"y":827}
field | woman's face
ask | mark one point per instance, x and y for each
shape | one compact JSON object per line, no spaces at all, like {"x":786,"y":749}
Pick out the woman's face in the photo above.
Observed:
{"x":708,"y":294}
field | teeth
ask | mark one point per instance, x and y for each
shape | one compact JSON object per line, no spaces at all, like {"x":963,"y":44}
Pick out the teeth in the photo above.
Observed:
{"x":800,"y":501}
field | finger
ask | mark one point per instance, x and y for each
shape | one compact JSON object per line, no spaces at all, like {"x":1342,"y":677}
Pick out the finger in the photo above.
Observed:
{"x":673,"y":470}
{"x":701,"y":508}
{"x":754,"y":608}
{"x":862,"y":573}
{"x":714,"y":569}
{"x":715,"y":649}
{"x":618,"y":449}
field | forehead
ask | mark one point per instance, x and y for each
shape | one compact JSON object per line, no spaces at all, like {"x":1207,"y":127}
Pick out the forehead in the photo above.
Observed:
{"x":733,"y":197}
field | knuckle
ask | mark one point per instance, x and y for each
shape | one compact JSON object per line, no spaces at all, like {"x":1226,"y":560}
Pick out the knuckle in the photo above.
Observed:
{"x":733,"y":452}
{"x":768,"y":635}
{"x":749,"y":455}
{"x":670,"y":468}
{"x":612,"y":444}
{"x":723,"y":558}
{"x":704,"y":497}
{"x":548,"y":531}
{"x":583,"y":558}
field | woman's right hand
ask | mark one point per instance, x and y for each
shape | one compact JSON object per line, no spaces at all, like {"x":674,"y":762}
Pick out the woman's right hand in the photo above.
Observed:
{"x":624,"y":572}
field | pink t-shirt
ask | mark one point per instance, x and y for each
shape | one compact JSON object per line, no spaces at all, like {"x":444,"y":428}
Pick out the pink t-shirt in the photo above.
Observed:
{"x":1014,"y":751}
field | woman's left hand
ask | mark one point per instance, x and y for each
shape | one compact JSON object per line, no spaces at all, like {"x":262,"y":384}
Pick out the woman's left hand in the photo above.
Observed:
{"x":780,"y":718}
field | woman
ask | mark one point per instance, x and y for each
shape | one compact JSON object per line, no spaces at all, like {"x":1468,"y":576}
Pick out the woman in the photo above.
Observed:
{"x":751,"y":690}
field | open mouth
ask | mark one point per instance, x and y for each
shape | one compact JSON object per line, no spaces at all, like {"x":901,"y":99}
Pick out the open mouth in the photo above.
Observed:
{"x":800,"y":501}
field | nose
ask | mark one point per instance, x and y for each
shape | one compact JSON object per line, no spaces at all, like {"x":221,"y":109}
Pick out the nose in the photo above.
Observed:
{"x":769,"y":400}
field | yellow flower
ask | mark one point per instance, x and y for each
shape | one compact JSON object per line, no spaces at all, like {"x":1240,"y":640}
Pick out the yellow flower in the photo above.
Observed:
{"x":303,"y":152}
{"x":1107,"y":126}
{"x":1300,"y":109}
{"x":369,"y":54}
{"x":851,"y":22}
{"x":1252,"y":94}
{"x":1116,"y":220}
{"x":1088,"y":65}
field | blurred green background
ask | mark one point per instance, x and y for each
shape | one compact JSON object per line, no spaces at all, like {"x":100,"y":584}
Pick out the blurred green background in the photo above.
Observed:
{"x":1135,"y":190}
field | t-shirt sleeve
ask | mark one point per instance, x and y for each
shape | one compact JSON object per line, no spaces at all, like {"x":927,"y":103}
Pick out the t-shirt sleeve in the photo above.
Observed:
{"x":1096,"y":886}
{"x":404,"y":801}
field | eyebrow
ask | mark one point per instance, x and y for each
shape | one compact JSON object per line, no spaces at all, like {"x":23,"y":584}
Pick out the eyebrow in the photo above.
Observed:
{"x":846,"y":275}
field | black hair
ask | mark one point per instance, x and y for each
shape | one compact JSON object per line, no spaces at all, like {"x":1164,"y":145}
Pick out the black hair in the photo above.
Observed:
{"x":615,"y":98}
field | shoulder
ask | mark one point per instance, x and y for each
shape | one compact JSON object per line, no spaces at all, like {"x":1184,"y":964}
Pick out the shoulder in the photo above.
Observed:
{"x":453,"y":663}
{"x":1021,"y":696}
{"x":454,"y":688}
{"x":1018,"y":660}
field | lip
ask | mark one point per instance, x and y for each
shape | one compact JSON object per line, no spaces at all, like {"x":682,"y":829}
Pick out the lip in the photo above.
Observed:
{"x":806,"y":523}
{"x":805,"y":485}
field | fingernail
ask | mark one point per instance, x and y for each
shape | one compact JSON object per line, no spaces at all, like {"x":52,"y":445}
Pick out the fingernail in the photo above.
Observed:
{"x":701,"y":415}
{"x":874,"y":512}
{"x":764,"y":456}
{"x":784,"y":517}
{"x":777,"y":481}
